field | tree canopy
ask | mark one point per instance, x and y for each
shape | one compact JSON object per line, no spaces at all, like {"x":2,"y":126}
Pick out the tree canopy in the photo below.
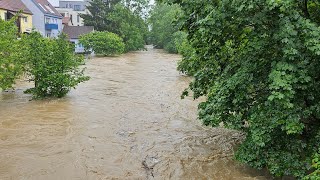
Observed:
{"x":123,"y":18}
{"x":103,"y":43}
{"x":258,"y":64}
{"x":10,"y":58}
{"x":164,"y":28}
{"x":98,"y":17}
{"x":52,"y":65}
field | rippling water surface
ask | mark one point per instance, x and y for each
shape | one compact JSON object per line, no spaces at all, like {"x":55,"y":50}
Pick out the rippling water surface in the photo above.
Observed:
{"x":127,"y":122}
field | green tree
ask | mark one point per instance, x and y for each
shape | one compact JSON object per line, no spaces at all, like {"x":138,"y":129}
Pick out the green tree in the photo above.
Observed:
{"x":52,"y":65}
{"x":104,"y":43}
{"x":130,"y":27}
{"x":98,"y":16}
{"x":138,"y":7}
{"x":164,"y":32}
{"x":123,"y":18}
{"x":258,"y":64}
{"x":316,"y":165}
{"x":10,"y":56}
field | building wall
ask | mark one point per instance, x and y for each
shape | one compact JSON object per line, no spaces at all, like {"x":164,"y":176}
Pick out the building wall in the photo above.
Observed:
{"x":75,"y":5}
{"x":53,"y":20}
{"x":26,"y":23}
{"x":75,"y":19}
{"x":54,"y":3}
{"x":38,"y":20}
{"x":78,"y":47}
{"x":2,"y":13}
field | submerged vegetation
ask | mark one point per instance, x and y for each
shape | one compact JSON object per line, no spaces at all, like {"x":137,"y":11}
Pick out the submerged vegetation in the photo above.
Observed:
{"x":104,"y":43}
{"x":53,"y":66}
{"x":50,"y":63}
{"x":123,"y":18}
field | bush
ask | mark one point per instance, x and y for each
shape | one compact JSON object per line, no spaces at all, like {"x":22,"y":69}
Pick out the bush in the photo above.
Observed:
{"x":104,"y":43}
{"x":52,"y":65}
{"x":315,"y":175}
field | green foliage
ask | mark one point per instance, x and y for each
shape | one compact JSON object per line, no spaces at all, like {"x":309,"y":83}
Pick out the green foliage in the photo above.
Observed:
{"x":258,"y":64}
{"x":316,"y":165}
{"x":164,"y":34}
{"x":176,"y":42}
{"x":121,"y":18}
{"x":188,"y":64}
{"x":52,"y":65}
{"x":137,"y":7}
{"x":98,"y":16}
{"x":105,"y":43}
{"x":10,"y":57}
{"x":130,"y":27}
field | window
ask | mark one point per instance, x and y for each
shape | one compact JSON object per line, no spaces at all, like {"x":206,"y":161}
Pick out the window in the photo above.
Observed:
{"x":48,"y":34}
{"x":71,"y":18}
{"x":70,"y":5}
{"x":47,"y":20}
{"x":78,"y":18}
{"x":25,"y":19}
{"x":5,"y":16}
{"x":76,"y":7}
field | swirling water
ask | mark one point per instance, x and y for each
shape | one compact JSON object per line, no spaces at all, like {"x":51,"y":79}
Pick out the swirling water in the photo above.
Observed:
{"x":126,"y":122}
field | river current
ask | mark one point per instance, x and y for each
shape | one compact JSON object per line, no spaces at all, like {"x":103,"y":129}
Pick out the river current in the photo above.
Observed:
{"x":127,"y":122}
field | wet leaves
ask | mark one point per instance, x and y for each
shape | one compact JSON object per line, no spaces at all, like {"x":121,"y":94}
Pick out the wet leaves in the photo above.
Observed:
{"x":257,"y":62}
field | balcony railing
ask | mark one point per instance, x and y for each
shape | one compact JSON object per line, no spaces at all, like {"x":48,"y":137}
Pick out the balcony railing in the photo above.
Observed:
{"x":51,"y":26}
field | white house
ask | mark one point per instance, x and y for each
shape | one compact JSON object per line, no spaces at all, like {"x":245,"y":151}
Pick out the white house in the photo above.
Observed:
{"x":72,"y":9}
{"x":74,"y":33}
{"x":46,"y":19}
{"x":54,"y":3}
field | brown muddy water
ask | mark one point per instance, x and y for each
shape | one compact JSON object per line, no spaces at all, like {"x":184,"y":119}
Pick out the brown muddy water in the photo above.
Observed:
{"x":127,"y":122}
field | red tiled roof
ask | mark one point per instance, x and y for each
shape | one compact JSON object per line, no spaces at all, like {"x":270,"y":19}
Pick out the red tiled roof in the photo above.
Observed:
{"x":47,"y":7}
{"x":65,"y":20}
{"x":14,"y":5}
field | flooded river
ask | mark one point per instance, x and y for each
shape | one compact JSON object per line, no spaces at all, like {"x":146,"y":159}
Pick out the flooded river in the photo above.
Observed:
{"x":127,"y":122}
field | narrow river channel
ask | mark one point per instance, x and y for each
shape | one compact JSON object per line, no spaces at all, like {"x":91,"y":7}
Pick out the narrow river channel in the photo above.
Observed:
{"x":127,"y":122}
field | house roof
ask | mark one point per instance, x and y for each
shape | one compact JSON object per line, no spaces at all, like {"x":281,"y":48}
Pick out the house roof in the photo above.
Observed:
{"x":47,"y":8}
{"x":65,"y":20}
{"x":14,"y":5}
{"x":74,"y":32}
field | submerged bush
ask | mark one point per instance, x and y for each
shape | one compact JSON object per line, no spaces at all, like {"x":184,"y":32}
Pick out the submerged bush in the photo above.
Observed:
{"x":103,"y":43}
{"x":53,"y":66}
